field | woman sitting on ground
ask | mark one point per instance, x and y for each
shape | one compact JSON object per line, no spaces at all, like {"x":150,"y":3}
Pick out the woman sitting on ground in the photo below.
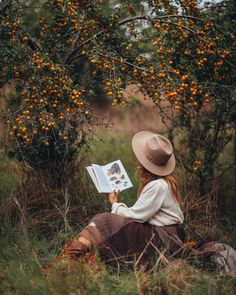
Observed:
{"x":135,"y":234}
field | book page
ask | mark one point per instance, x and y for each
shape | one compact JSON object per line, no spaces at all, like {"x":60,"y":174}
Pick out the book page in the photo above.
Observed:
{"x":102,"y":181}
{"x":93,"y":176}
{"x":116,"y":176}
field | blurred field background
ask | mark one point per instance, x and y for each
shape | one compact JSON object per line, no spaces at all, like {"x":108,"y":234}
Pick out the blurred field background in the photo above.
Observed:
{"x":40,"y":209}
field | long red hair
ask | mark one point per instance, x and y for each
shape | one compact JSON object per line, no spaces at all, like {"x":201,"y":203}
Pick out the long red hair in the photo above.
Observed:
{"x":146,"y":176}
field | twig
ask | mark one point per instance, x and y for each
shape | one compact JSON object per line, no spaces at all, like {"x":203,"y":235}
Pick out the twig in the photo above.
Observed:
{"x":145,"y":248}
{"x":16,"y":112}
{"x":81,"y":44}
{"x":124,"y":61}
{"x":4,"y":5}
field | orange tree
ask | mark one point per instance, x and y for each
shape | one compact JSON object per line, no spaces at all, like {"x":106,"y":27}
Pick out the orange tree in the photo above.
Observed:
{"x":171,"y":49}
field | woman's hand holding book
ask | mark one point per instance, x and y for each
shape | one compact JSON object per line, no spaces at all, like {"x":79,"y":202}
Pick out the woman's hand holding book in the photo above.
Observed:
{"x":113,"y":197}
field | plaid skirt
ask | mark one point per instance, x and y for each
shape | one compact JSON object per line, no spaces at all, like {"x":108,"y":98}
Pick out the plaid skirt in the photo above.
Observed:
{"x":121,"y":239}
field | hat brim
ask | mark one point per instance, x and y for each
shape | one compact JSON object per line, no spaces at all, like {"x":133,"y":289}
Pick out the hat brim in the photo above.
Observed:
{"x":138,"y":145}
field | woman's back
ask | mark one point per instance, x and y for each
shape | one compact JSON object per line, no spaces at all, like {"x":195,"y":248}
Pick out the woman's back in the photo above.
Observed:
{"x":169,"y":212}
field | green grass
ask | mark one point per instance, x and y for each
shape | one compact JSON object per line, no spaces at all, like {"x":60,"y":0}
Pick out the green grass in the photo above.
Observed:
{"x":180,"y":278}
{"x":20,"y":273}
{"x":21,"y":259}
{"x":24,"y":251}
{"x":8,"y":178}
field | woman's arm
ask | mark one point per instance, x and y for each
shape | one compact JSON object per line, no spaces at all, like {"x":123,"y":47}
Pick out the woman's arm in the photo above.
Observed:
{"x":149,"y":202}
{"x":113,"y":199}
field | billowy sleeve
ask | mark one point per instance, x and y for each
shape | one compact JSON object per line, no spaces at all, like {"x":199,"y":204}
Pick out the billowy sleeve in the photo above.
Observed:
{"x":147,"y":205}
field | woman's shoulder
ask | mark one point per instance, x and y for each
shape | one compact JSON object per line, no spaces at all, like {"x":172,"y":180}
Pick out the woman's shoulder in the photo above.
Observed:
{"x":157,"y":183}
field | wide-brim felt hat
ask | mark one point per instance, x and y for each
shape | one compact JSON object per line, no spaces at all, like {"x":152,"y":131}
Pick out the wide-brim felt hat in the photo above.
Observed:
{"x":154,"y":152}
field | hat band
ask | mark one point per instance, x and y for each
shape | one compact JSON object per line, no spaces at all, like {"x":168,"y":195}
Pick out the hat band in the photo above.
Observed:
{"x":161,"y":160}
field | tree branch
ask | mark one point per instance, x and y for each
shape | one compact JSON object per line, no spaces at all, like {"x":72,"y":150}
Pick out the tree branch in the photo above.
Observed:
{"x":147,"y":17}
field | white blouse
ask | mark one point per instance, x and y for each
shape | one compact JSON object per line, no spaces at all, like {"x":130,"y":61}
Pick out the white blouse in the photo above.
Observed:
{"x":155,"y":205}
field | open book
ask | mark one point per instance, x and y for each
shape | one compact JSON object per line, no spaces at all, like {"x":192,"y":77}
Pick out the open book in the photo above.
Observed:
{"x":110,"y":177}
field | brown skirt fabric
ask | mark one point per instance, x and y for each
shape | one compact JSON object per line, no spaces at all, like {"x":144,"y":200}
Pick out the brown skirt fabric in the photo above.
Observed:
{"x":119,"y":238}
